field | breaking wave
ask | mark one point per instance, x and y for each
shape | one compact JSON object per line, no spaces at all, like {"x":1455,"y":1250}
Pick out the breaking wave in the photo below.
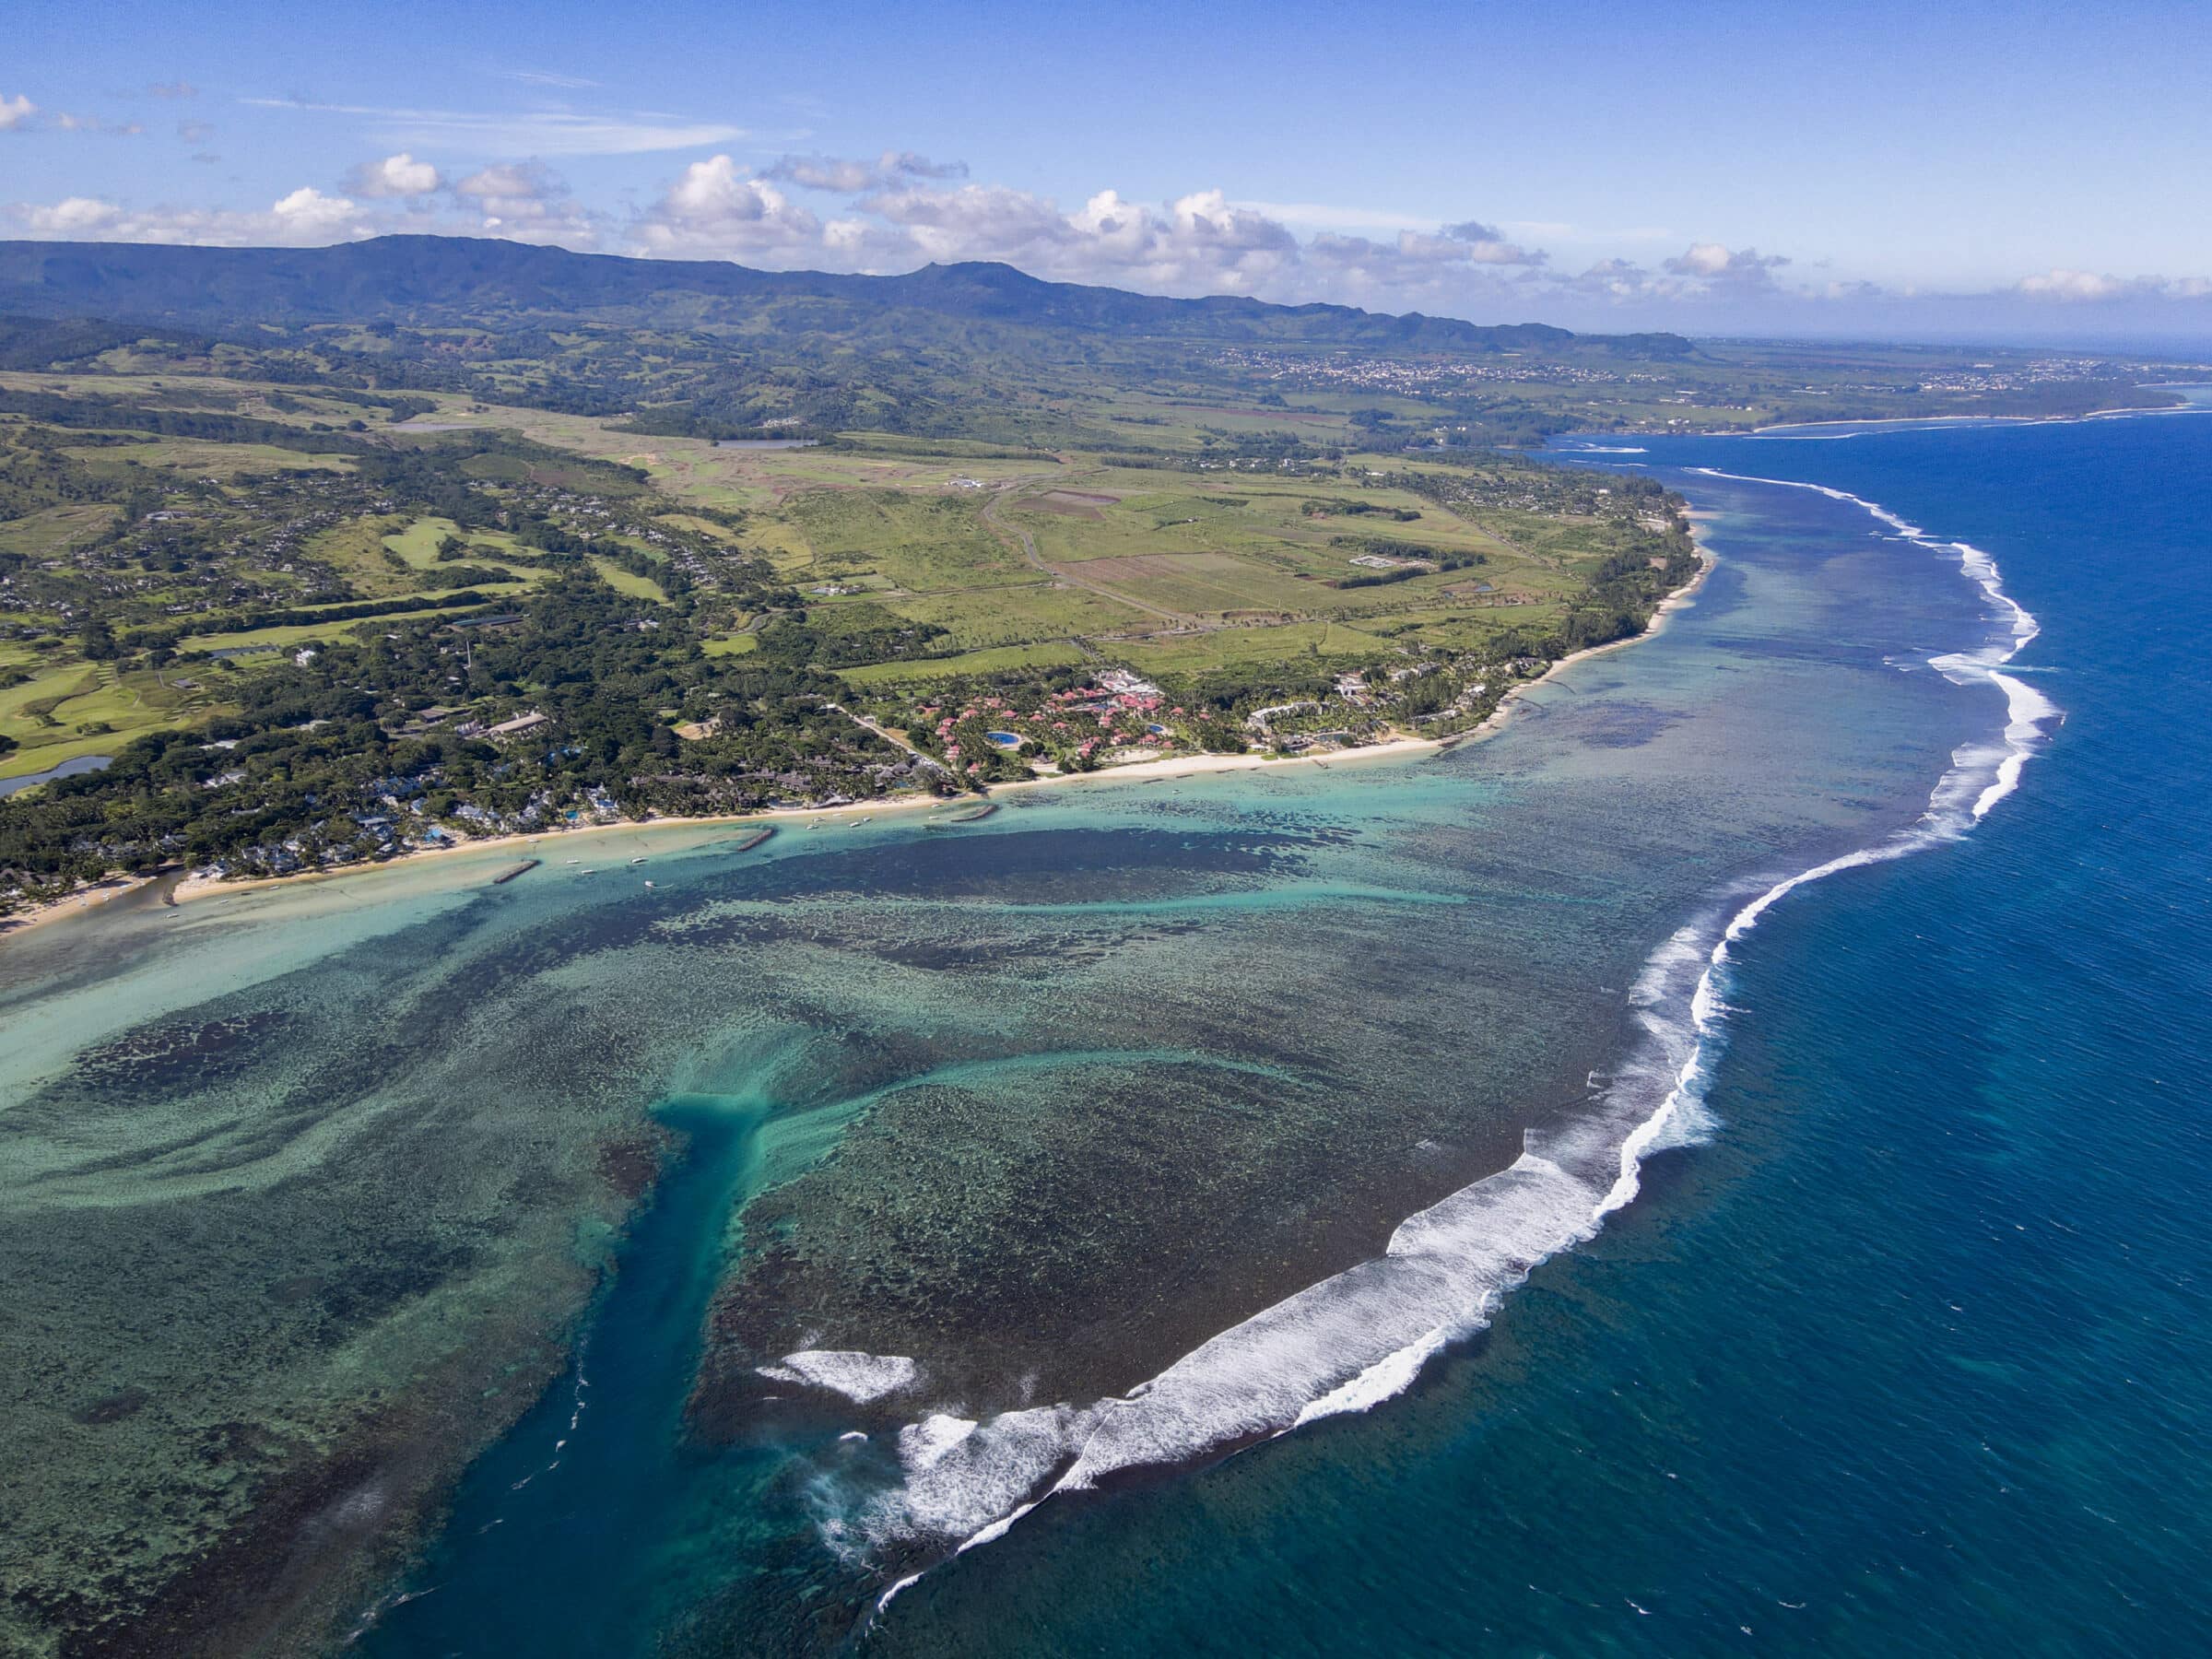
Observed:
{"x":859,"y":1377}
{"x":1356,"y":1338}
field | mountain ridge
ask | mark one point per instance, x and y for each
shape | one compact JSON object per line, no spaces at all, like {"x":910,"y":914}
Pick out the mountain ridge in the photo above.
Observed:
{"x":420,"y":279}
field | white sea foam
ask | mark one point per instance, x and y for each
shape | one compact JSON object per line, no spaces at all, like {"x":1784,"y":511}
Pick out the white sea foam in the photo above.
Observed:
{"x":1358,"y":1338}
{"x":884,"y":1600}
{"x":859,"y":1377}
{"x":962,"y":1476}
{"x":924,"y":1444}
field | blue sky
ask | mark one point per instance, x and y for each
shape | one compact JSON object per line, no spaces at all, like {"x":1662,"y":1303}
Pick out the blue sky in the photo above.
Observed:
{"x":1968,"y":168}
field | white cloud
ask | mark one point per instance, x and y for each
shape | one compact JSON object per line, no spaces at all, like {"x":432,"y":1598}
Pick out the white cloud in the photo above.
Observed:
{"x":306,"y":217}
{"x":2073,"y":285}
{"x":399,"y":175}
{"x":1198,"y":243}
{"x":718,"y":207}
{"x":1324,"y":215}
{"x":1411,"y":271}
{"x":507,"y":181}
{"x":526,"y":202}
{"x":308,"y":214}
{"x":846,"y":240}
{"x":19,"y":114}
{"x":842,"y":177}
{"x":2091,"y":286}
{"x":81,"y":217}
{"x":1203,"y":243}
{"x":1612,"y":279}
{"x":1486,"y":244}
{"x":826,"y":172}
{"x":176,"y":88}
{"x":527,"y":132}
{"x":520,"y":202}
{"x":1713,"y":266}
{"x":1561,"y":231}
{"x":546,"y":77}
{"x":975,"y":221}
{"x":66,"y":123}
{"x":1702,"y":273}
{"x":1703,"y":259}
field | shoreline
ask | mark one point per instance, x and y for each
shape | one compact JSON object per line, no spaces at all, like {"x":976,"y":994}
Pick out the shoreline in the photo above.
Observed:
{"x":1678,"y":600}
{"x":2178,"y":406}
{"x":191,"y":889}
{"x":80,"y":903}
{"x":526,"y":845}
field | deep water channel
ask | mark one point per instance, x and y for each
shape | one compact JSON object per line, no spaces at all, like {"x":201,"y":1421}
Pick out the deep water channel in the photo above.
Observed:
{"x":540,"y":1553}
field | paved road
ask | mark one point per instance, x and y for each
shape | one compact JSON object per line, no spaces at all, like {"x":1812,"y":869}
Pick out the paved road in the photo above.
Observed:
{"x":890,"y":737}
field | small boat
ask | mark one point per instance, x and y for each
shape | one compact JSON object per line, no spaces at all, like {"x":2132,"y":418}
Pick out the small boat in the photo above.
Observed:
{"x":637,"y":861}
{"x":649,"y":884}
{"x":571,"y":861}
{"x":587,"y":872}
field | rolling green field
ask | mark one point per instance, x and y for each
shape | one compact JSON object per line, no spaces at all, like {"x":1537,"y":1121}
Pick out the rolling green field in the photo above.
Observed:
{"x":921,"y":540}
{"x":204,"y":456}
{"x":628,"y":582}
{"x":51,"y":531}
{"x":1225,"y":554}
{"x":385,"y":556}
{"x":1295,"y":644}
{"x":285,"y":636}
{"x":46,"y":713}
{"x":1004,"y":659}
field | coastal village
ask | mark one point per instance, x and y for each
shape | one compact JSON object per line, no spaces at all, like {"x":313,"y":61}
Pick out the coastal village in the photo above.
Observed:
{"x":1109,"y":719}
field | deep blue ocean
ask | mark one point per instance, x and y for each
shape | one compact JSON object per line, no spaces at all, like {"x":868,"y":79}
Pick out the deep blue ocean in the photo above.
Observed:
{"x":1913,"y":1354}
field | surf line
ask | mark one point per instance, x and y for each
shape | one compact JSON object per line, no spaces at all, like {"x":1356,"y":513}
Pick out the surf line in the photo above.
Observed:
{"x":1354,"y":1340}
{"x":1980,"y":776}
